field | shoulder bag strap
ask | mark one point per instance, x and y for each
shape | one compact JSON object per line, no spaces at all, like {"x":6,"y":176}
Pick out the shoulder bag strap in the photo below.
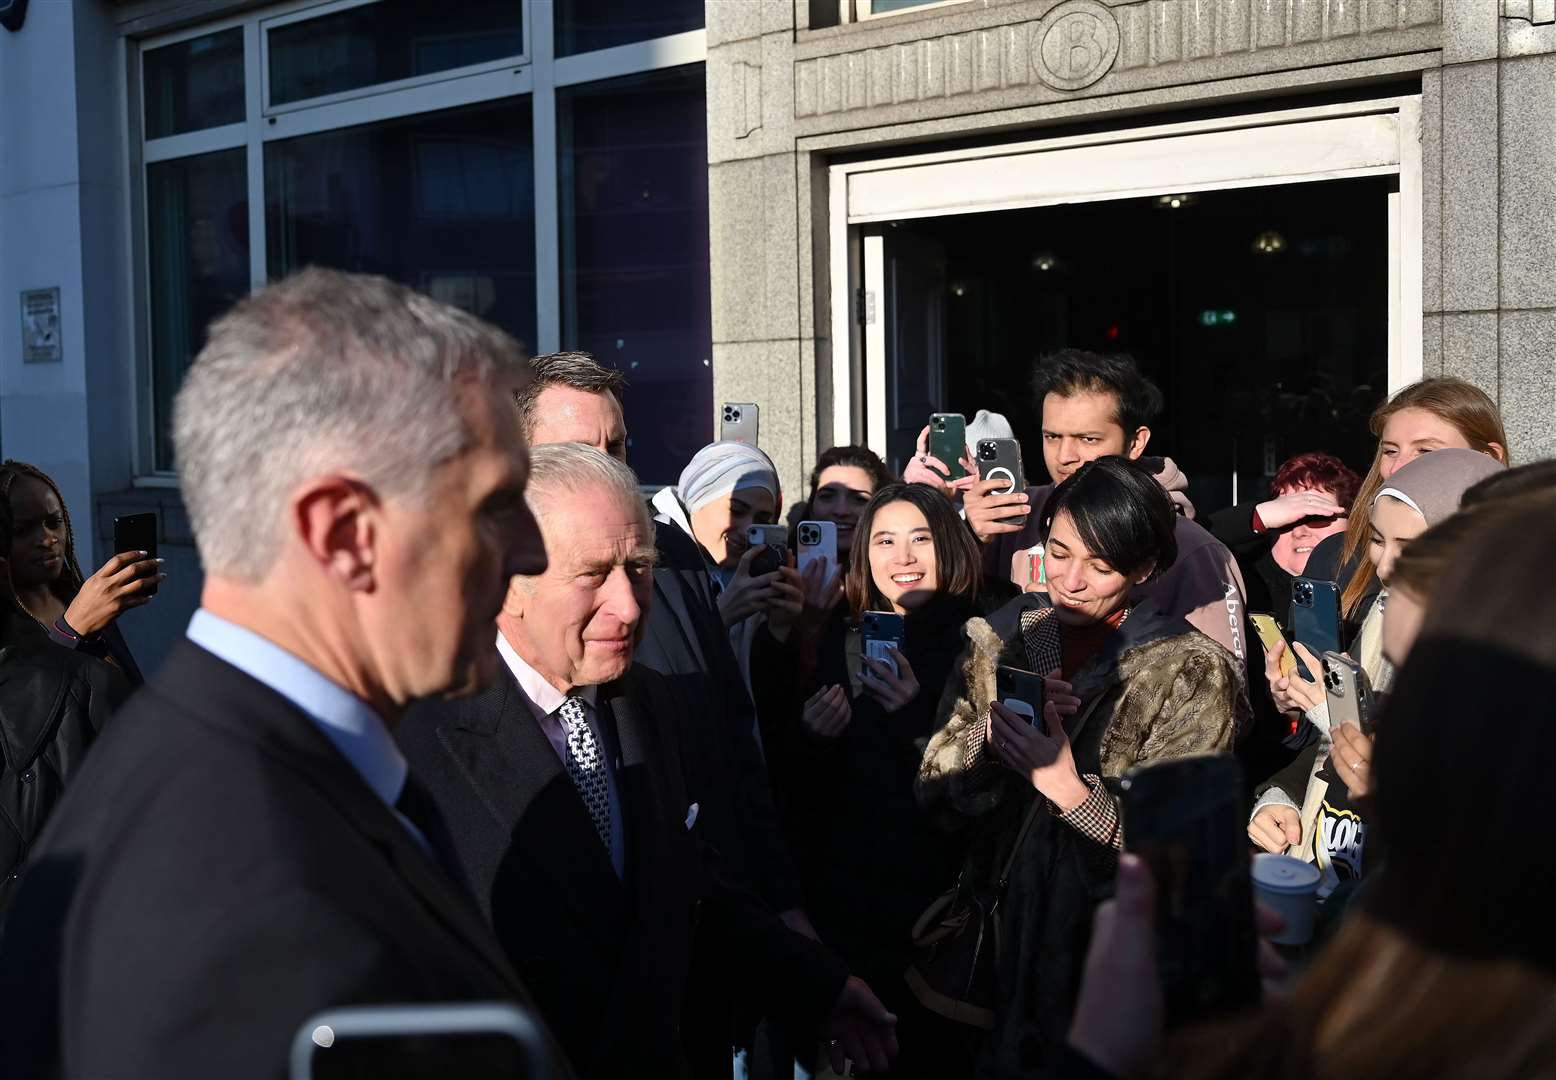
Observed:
{"x":1037,"y":805}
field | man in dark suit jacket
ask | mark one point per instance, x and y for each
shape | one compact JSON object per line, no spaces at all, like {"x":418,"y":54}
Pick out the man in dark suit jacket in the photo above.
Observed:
{"x":244,"y":848}
{"x":566,"y":799}
{"x":572,"y":398}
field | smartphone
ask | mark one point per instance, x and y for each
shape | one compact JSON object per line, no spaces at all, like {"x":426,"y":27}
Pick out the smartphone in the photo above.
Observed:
{"x":1000,"y":459}
{"x":1022,"y":692}
{"x":1315,"y":618}
{"x":776,"y":539}
{"x":1186,"y":818}
{"x":421,"y":1041}
{"x":739,"y":423}
{"x":1269,"y":633}
{"x":880,"y":632}
{"x":1349,"y":692}
{"x":136,"y":532}
{"x":948,"y":441}
{"x":817,"y":541}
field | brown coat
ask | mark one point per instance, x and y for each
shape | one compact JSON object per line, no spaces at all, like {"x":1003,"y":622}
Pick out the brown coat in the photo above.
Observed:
{"x":1160,"y":690}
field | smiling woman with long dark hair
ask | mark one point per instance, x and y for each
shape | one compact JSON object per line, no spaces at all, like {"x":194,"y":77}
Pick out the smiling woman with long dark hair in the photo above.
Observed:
{"x":1125,"y":685}
{"x":870,"y":861}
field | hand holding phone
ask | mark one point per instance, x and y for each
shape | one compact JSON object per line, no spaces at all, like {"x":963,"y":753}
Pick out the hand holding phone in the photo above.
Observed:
{"x":774,"y":539}
{"x":127,"y":580}
{"x":1040,"y":752}
{"x":1348,"y":692}
{"x":1274,"y":642}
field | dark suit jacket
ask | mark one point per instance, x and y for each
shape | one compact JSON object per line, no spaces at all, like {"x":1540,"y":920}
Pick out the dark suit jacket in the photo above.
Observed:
{"x":684,"y":639}
{"x":216,"y":874}
{"x":607,"y":958}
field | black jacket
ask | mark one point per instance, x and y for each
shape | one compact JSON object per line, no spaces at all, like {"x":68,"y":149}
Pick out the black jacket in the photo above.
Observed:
{"x":684,"y":640}
{"x":872,"y":860}
{"x":607,"y":958}
{"x":53,"y":703}
{"x":216,"y":874}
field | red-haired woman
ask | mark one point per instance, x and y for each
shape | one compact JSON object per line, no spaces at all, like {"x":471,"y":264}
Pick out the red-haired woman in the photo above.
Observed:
{"x":1310,"y":499}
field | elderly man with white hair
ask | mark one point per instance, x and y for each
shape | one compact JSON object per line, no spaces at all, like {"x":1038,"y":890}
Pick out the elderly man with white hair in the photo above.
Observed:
{"x":244,"y":846}
{"x":563,"y":789}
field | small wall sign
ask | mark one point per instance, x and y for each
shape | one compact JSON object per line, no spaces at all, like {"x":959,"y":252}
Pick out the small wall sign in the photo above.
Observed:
{"x":40,"y":327}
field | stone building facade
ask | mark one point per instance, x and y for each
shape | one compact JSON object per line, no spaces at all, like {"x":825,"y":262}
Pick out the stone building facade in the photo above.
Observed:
{"x":794,"y":89}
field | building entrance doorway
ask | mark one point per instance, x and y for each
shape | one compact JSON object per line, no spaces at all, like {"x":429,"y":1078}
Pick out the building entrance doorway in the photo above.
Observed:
{"x":1261,"y":312}
{"x":1264,"y":270}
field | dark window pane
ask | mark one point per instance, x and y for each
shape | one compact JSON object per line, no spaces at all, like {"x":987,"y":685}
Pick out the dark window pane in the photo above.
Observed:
{"x":198,"y":233}
{"x":387,"y":41}
{"x":633,"y":157}
{"x":444,"y":202}
{"x":194,"y":84}
{"x":586,"y":25}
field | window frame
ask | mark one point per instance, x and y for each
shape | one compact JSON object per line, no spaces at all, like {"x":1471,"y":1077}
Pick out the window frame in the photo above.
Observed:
{"x":862,"y":11}
{"x":537,"y":75}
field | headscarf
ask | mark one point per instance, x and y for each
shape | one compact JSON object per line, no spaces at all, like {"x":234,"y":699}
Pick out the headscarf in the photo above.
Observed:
{"x":722,"y":467}
{"x":1433,"y":484}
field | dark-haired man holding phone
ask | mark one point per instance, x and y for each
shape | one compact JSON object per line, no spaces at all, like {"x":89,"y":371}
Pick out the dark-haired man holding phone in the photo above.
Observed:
{"x":1097,"y":406}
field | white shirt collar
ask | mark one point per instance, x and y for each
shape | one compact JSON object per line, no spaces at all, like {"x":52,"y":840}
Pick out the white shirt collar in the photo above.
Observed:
{"x":345,"y":719}
{"x":546,"y":697}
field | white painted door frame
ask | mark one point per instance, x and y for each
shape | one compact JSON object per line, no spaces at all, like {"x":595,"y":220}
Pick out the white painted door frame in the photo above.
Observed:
{"x":1329,"y":142}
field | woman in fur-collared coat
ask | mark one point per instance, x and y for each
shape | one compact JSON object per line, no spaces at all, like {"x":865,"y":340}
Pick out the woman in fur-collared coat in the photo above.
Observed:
{"x":1125,"y":685}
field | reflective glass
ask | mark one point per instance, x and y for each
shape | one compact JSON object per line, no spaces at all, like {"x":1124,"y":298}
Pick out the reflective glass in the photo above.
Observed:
{"x":586,"y":25}
{"x":633,"y":159}
{"x":886,"y":7}
{"x":444,"y":202}
{"x":194,"y":84}
{"x":388,"y":41}
{"x":198,"y":234}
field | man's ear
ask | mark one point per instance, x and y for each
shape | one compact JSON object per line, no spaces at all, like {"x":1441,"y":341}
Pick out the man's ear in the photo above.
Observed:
{"x":1137,"y":443}
{"x":334,"y":519}
{"x":1140,"y":577}
{"x":515,"y":600}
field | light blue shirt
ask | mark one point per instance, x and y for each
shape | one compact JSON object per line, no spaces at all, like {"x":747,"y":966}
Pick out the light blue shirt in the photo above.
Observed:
{"x":345,"y":719}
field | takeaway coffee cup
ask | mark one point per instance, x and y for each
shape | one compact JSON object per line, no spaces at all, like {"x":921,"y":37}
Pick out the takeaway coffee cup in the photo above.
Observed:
{"x":1288,"y":886}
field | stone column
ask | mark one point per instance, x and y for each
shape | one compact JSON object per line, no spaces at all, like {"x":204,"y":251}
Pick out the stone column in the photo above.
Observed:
{"x":1489,"y":159}
{"x":759,"y":353}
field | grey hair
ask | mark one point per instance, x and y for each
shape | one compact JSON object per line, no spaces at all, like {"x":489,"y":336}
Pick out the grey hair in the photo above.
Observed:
{"x":574,"y":370}
{"x":558,"y":467}
{"x":322,"y":372}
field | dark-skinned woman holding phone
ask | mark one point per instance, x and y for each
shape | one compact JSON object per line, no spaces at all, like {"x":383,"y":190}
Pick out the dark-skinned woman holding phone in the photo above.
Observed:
{"x":75,"y":611}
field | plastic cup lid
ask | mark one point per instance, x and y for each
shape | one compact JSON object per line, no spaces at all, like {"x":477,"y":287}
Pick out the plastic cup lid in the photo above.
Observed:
{"x":1282,"y":873}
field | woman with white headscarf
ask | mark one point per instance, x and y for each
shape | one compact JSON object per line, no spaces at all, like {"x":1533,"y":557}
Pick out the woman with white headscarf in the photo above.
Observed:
{"x":724,"y":489}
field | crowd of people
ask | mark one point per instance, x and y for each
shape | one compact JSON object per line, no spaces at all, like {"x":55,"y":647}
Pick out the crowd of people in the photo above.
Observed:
{"x":464,"y":717}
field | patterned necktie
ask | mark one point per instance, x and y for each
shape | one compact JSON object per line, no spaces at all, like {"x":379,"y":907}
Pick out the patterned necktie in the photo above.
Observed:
{"x":586,"y":766}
